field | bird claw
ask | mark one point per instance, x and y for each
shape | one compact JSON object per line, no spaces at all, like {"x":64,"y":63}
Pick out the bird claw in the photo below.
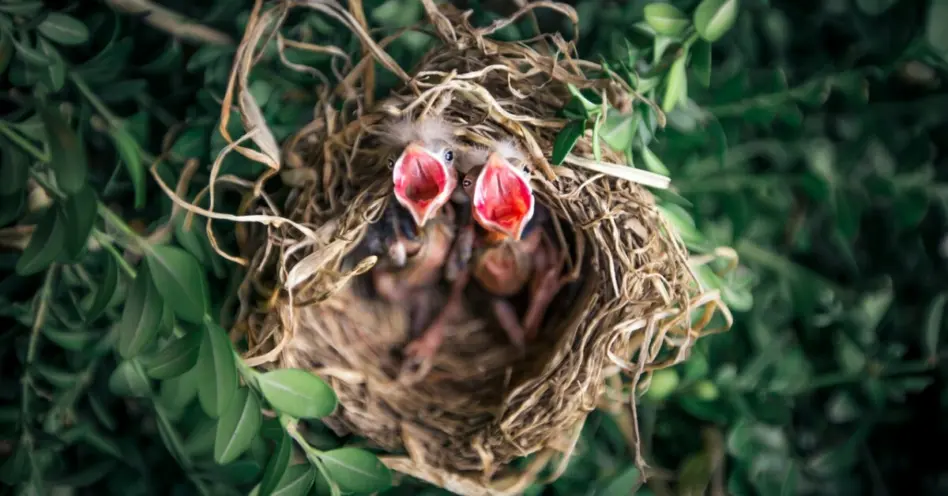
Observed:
{"x":418,"y":354}
{"x":507,"y":318}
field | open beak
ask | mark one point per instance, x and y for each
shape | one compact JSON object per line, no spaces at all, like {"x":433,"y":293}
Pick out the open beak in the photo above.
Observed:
{"x":503,"y":199}
{"x":423,"y":182}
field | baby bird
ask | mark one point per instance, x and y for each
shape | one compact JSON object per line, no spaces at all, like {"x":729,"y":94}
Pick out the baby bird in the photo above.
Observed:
{"x":513,"y":251}
{"x":423,"y":174}
{"x":416,"y":233}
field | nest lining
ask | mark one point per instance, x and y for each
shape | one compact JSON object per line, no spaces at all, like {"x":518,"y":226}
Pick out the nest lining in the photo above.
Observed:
{"x":481,"y":405}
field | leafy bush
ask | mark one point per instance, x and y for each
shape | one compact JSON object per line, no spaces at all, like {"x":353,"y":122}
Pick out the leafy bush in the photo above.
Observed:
{"x":802,"y":140}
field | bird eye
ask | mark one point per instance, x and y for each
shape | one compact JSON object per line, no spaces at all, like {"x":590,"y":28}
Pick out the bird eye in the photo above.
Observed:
{"x":467,"y":182}
{"x":390,"y":162}
{"x":448,"y":155}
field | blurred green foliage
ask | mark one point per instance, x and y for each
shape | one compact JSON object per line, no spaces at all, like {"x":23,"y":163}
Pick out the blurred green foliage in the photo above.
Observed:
{"x":807,"y":136}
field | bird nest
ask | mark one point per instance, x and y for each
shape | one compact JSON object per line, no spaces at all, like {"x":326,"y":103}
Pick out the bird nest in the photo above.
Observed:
{"x":634,"y":305}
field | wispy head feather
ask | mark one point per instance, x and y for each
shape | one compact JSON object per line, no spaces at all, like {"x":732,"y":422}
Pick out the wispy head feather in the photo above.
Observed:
{"x":509,"y":149}
{"x":431,"y":131}
{"x":472,"y":157}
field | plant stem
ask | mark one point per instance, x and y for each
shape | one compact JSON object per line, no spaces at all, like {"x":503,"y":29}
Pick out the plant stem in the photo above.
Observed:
{"x":290,"y":425}
{"x":26,"y":382}
{"x":38,"y":321}
{"x":22,"y":142}
{"x":106,"y":243}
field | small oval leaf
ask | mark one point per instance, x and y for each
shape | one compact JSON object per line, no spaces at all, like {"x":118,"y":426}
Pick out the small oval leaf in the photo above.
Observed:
{"x":217,"y":373}
{"x":106,"y":290}
{"x":46,"y":243}
{"x":653,"y":163}
{"x":180,"y":280}
{"x":297,"y":481}
{"x":79,"y":212}
{"x":63,"y":29}
{"x":619,"y":129}
{"x":277,"y":466}
{"x":665,"y":18}
{"x":67,"y":156}
{"x":933,"y":324}
{"x":70,"y":340}
{"x":713,"y":18}
{"x":141,"y":317}
{"x":356,"y":470}
{"x":297,"y":393}
{"x":128,"y":380}
{"x":566,"y":140}
{"x":701,"y":62}
{"x":237,"y":427}
{"x":174,"y":359}
{"x":676,"y":85}
{"x":130,"y":155}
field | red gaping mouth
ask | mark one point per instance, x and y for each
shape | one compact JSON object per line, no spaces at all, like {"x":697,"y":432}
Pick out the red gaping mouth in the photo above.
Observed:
{"x":421,"y":182}
{"x":503,"y":198}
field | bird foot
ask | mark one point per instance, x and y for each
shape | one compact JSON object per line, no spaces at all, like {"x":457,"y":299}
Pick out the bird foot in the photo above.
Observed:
{"x":547,"y":286}
{"x":418,"y":354}
{"x":506,"y":316}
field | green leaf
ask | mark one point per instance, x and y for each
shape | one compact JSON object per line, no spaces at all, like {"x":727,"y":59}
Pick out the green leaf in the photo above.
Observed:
{"x":237,"y":427}
{"x":200,"y":440}
{"x":619,"y":129}
{"x":45,"y":244}
{"x":174,"y":359}
{"x":26,"y":8}
{"x":88,"y":475}
{"x":676,"y":85}
{"x":297,"y":481}
{"x":934,"y":317}
{"x":15,"y":168}
{"x":54,"y":77}
{"x":217,"y":372}
{"x":106,"y":291}
{"x":694,"y":475}
{"x":64,"y":29}
{"x":683,"y":223}
{"x":277,"y":466}
{"x":180,"y":280}
{"x":79,"y":213}
{"x":141,"y":317}
{"x":128,"y":380}
{"x":31,"y":56}
{"x":101,"y":412}
{"x":566,"y":140}
{"x":177,"y":393}
{"x":665,"y":18}
{"x":664,"y":383}
{"x":130,"y":155}
{"x":701,"y":62}
{"x":935,"y":32}
{"x":60,"y":379}
{"x":714,"y":18}
{"x":67,"y":156}
{"x":16,"y":468}
{"x":653,"y":163}
{"x":298,"y":393}
{"x":623,"y":484}
{"x":356,"y":470}
{"x":875,"y":7}
{"x":596,"y":145}
{"x":70,"y":340}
